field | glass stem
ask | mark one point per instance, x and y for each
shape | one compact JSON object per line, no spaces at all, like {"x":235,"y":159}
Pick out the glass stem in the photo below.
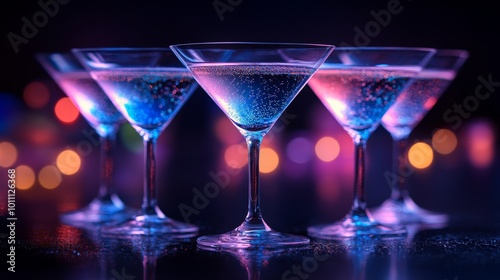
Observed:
{"x":253,"y":274}
{"x":360,"y":261}
{"x":106,"y":191}
{"x":254,"y":215}
{"x":359,"y":205}
{"x":149,"y":267}
{"x":399,"y":190}
{"x":149,"y":201}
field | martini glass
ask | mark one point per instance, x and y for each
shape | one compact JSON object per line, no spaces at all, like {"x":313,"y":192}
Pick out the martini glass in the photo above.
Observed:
{"x":252,"y":83}
{"x":148,"y":86}
{"x":400,"y":120}
{"x":357,"y":86}
{"x":102,"y":115}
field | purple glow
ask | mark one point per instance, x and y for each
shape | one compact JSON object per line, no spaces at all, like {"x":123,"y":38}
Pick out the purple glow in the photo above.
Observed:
{"x":481,"y":144}
{"x":300,"y":150}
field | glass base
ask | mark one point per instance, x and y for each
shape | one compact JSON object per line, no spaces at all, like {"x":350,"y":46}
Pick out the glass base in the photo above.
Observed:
{"x":355,"y":227}
{"x":243,"y":237}
{"x":148,"y":225}
{"x":406,"y":212}
{"x":98,"y":212}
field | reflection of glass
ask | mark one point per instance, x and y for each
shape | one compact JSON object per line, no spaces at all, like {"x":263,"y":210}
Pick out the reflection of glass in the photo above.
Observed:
{"x":148,"y":86}
{"x":252,"y":83}
{"x":357,"y":86}
{"x":359,"y":251}
{"x":362,"y":251}
{"x":102,"y":115}
{"x":410,"y":108}
{"x":115,"y":254}
{"x":252,"y":259}
{"x":153,"y":248}
{"x":399,"y":259}
{"x":357,"y":258}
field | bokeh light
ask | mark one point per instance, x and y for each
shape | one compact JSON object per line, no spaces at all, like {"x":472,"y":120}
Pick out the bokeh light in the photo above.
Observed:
{"x":481,"y":144}
{"x":36,"y":94}
{"x":420,"y":155}
{"x":226,"y":131}
{"x":10,"y":109}
{"x":8,"y":154}
{"x":49,"y":177}
{"x":444,"y":141}
{"x":39,"y":130}
{"x":269,"y":160}
{"x":25,"y":177}
{"x":236,"y":156}
{"x":68,"y":162}
{"x":327,"y":148}
{"x":300,"y":150}
{"x":66,"y":111}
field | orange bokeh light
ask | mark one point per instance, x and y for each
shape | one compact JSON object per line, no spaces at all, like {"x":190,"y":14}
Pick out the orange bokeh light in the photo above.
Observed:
{"x":66,"y":111}
{"x":269,"y":160}
{"x":420,"y":155}
{"x":327,"y":148}
{"x":25,"y":177}
{"x":49,"y":177}
{"x":444,"y":141}
{"x":68,"y":162}
{"x":8,"y":154}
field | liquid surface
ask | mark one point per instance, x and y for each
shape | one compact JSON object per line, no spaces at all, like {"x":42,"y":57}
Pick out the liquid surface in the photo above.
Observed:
{"x":359,"y":97}
{"x":252,"y":96}
{"x":148,"y":98}
{"x":415,"y":101}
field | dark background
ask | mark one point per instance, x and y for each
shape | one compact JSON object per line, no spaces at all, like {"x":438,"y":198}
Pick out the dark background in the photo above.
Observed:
{"x":189,"y":148}
{"x":468,"y":25}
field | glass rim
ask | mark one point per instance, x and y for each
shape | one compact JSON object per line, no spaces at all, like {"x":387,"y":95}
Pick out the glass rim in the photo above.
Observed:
{"x":38,"y":54}
{"x":46,"y":55}
{"x":255,"y":43}
{"x":458,"y":56}
{"x":96,"y":49}
{"x":402,"y":48}
{"x":167,"y":55}
{"x":461,"y":53}
{"x":45,"y":60}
